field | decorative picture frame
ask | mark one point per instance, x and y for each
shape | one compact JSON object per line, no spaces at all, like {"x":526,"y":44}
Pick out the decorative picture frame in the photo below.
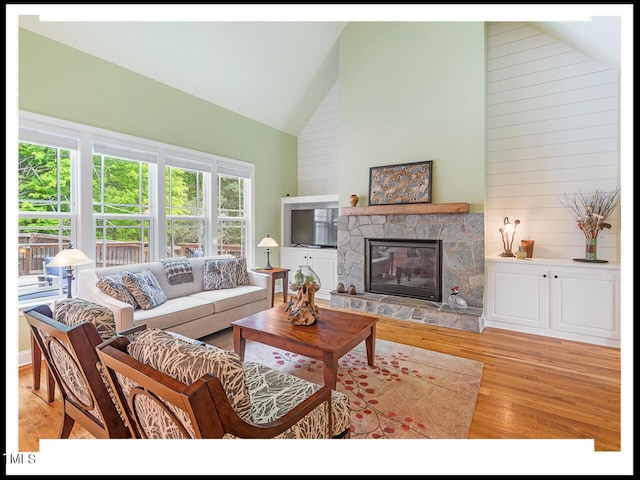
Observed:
{"x":401,"y":184}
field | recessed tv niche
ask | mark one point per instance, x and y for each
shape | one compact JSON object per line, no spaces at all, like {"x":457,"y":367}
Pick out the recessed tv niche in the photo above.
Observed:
{"x":314,"y":227}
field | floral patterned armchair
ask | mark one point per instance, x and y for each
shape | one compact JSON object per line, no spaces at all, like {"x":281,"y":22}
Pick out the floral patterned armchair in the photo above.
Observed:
{"x":67,"y":338}
{"x":170,"y":386}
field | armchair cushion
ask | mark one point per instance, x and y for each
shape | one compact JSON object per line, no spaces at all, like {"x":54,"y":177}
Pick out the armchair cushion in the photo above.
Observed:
{"x":274,"y":393}
{"x":188,"y":360}
{"x":72,"y":311}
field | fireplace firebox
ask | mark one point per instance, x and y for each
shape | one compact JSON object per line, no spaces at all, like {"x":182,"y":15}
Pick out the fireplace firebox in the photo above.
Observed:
{"x":404,"y":267}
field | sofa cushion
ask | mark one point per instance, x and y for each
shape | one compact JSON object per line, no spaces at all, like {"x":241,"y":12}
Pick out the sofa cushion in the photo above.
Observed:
{"x":188,"y":361}
{"x":174,"y":311}
{"x":73,"y":311}
{"x":113,"y":285}
{"x":225,"y":273}
{"x":145,"y":288}
{"x":231,"y":298}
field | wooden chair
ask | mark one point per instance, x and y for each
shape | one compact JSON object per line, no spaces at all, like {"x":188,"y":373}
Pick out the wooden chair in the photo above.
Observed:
{"x":71,"y":358}
{"x":157,"y":405}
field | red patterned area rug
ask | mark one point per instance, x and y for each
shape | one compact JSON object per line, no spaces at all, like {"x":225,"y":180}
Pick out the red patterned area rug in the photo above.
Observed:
{"x":409,"y":393}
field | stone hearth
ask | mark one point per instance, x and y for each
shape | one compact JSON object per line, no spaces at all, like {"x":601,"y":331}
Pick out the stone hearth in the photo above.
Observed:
{"x":462,"y":236}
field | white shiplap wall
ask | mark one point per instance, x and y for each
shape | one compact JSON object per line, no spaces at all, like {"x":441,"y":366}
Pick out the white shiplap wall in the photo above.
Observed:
{"x":552,"y":129}
{"x":319,"y":148}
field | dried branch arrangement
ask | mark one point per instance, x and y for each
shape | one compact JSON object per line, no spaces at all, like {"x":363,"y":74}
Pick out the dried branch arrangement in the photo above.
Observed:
{"x":591,"y":210}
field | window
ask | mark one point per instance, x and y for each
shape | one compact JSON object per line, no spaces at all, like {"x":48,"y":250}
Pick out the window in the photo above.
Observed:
{"x":234,"y":198}
{"x":121,"y":200}
{"x":121,"y":205}
{"x":186,"y":211}
{"x":45,"y":210}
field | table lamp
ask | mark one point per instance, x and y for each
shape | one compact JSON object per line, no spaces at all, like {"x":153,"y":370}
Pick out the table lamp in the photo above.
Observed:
{"x":268,"y":242}
{"x":69,"y":257}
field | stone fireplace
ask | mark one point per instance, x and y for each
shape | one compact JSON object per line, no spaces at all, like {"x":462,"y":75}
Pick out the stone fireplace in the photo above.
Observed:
{"x":460,"y":239}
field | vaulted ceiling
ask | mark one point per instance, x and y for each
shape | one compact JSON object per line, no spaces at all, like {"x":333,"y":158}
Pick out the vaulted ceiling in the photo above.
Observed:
{"x":261,"y":70}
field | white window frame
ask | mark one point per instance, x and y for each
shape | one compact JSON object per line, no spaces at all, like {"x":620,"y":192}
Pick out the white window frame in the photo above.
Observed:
{"x":83,"y":221}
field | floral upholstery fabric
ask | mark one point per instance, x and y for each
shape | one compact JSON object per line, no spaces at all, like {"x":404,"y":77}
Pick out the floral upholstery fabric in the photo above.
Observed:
{"x":73,"y":311}
{"x":187,"y":362}
{"x":145,"y":289}
{"x":113,"y":285}
{"x":258,"y":394}
{"x":225,"y":273}
{"x":154,"y":420}
{"x":275,"y":393}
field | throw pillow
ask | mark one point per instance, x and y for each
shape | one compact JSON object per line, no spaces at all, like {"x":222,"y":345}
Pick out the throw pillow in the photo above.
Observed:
{"x":113,"y":285}
{"x":225,"y":273}
{"x":242,"y":272}
{"x":145,"y":289}
{"x":73,"y":311}
{"x":188,"y":360}
{"x":219,"y":274}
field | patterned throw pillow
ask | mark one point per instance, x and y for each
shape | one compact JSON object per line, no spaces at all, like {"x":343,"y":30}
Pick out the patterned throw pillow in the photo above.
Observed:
{"x":225,"y":273}
{"x":145,"y":289}
{"x":72,"y":311}
{"x":242,"y":272}
{"x":113,"y":285}
{"x":187,"y":361}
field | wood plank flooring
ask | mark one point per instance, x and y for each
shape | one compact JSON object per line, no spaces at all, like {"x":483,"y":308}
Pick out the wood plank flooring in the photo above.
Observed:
{"x":532,"y":387}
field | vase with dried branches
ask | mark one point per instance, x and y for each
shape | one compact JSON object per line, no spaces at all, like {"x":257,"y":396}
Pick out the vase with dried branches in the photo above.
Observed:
{"x":591,"y":211}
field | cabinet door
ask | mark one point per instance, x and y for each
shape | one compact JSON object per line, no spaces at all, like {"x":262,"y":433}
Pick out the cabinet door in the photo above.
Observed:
{"x":586,"y":301}
{"x":292,"y":258}
{"x":518,"y":295}
{"x":325,"y":265}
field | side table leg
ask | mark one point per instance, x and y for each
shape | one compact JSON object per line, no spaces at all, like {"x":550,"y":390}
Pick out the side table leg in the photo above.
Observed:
{"x":285,"y":287}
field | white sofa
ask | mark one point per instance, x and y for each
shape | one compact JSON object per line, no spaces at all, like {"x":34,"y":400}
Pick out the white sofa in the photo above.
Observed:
{"x":189,"y":310}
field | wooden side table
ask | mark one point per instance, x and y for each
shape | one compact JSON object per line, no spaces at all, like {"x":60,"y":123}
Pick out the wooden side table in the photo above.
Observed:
{"x":277,"y":272}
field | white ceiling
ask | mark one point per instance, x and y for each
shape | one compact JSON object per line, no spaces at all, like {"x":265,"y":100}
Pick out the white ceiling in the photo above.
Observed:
{"x":258,"y":69}
{"x":261,"y":70}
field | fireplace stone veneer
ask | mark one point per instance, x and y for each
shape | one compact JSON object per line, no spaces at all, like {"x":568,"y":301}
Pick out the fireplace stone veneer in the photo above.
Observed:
{"x":462,"y":236}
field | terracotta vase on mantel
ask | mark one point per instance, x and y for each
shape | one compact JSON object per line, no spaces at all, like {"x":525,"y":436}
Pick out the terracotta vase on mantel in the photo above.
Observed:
{"x":353,"y":200}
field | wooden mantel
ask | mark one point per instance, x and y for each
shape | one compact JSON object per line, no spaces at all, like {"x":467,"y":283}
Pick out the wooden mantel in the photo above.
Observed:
{"x":407,"y":209}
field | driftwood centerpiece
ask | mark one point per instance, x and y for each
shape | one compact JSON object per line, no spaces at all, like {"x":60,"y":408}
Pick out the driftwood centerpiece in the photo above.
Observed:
{"x":302,"y":308}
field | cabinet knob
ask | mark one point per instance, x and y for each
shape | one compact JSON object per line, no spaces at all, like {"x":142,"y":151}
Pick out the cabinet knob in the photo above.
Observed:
{"x":544,"y":275}
{"x":555,"y":276}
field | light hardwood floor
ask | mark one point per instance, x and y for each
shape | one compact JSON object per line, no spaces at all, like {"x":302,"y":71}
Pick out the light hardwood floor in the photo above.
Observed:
{"x":532,"y":387}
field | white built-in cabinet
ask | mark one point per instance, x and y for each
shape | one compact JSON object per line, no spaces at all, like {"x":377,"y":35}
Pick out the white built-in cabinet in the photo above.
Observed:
{"x":557,"y":298}
{"x":324,"y":261}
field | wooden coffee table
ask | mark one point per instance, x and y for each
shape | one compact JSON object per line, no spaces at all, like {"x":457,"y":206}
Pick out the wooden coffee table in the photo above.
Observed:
{"x":333,"y":335}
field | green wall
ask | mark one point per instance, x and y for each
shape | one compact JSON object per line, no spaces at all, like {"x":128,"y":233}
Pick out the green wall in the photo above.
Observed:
{"x":409,"y":92}
{"x":62,"y":82}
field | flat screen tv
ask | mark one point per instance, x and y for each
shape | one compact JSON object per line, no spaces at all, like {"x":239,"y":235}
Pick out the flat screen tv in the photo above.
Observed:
{"x":314,"y":227}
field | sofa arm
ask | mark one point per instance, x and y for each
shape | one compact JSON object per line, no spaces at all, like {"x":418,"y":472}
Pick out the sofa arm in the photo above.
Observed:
{"x":87,"y":290}
{"x":262,"y":280}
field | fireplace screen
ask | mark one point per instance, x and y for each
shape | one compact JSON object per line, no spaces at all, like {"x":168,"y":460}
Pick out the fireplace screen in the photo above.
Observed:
{"x":408,"y":268}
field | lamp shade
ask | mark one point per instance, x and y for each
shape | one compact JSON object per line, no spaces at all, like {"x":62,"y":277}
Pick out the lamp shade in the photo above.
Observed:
{"x":268,"y":242}
{"x":69,"y":256}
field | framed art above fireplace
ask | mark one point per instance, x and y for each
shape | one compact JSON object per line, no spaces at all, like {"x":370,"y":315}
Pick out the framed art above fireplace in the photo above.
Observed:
{"x":401,"y":184}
